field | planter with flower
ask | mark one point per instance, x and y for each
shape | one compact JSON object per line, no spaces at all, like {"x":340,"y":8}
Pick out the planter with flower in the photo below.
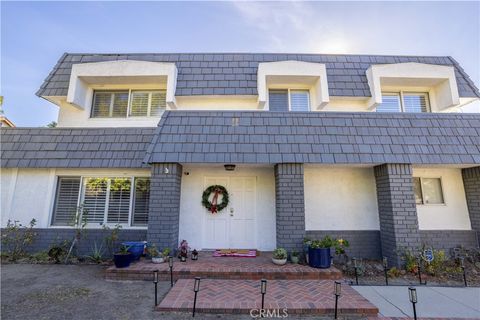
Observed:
{"x":279,"y":256}
{"x":183,"y":251}
{"x":319,"y":252}
{"x":294,"y":257}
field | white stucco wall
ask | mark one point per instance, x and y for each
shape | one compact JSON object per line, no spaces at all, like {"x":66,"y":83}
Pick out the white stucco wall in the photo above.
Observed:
{"x":193,"y":214}
{"x":30,"y":193}
{"x":340,"y":199}
{"x":453,"y":214}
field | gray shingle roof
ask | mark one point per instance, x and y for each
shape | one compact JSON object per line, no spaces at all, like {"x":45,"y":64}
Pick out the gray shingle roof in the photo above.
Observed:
{"x":236,"y":73}
{"x":316,"y":137}
{"x":74,"y":148}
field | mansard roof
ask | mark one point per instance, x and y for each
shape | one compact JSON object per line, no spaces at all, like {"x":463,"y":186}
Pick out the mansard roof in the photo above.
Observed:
{"x":316,"y":137}
{"x":74,"y":148}
{"x":236,"y":73}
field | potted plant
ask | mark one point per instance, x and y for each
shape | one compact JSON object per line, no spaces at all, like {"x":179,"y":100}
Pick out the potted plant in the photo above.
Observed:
{"x":306,"y":244}
{"x":183,"y":251}
{"x":166,"y":253}
{"x":155,"y":255}
{"x":319,"y":253}
{"x":279,"y":256}
{"x":122,"y":258}
{"x":294,"y":257}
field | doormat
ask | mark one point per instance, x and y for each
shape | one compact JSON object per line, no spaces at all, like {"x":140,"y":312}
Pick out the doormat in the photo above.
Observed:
{"x":235,"y":253}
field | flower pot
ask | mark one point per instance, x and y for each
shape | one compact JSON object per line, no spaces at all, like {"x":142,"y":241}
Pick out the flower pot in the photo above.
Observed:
{"x":135,"y":248}
{"x":319,"y":257}
{"x":157,"y":259}
{"x":279,"y":262}
{"x":122,"y":260}
{"x":294,"y":259}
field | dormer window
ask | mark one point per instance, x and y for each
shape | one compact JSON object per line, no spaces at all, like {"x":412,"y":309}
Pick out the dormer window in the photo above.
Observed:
{"x":131,"y":103}
{"x":288,"y":100}
{"x":404,"y":102}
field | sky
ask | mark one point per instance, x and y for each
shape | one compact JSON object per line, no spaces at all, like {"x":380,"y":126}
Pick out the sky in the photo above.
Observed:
{"x":35,"y":34}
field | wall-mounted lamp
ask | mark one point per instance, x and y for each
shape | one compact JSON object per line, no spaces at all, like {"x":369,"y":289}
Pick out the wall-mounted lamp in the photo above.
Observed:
{"x":165,"y":170}
{"x":229,"y":167}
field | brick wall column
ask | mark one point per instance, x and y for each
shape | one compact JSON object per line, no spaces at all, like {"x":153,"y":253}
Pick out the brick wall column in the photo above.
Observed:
{"x":164,"y":212}
{"x":397,"y":211}
{"x":471,"y":183}
{"x":290,"y":205}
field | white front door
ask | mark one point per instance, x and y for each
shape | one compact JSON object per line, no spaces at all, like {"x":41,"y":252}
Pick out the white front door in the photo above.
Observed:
{"x":234,"y":226}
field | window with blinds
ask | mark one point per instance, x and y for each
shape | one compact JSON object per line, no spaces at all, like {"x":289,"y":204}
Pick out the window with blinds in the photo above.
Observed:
{"x":288,"y":100}
{"x":141,"y":202}
{"x":147,"y":103}
{"x":404,"y":102}
{"x":103,"y":200}
{"x":95,"y":199}
{"x":119,"y":200}
{"x":132,"y":103}
{"x":278,"y":100}
{"x":428,"y":191}
{"x":299,"y":100}
{"x":66,"y":201}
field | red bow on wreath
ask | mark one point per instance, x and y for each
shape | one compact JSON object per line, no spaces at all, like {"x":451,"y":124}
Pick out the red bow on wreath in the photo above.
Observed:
{"x":213,"y":209}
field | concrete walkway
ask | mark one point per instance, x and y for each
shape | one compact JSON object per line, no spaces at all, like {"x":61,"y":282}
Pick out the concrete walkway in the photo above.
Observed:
{"x":444,"y":302}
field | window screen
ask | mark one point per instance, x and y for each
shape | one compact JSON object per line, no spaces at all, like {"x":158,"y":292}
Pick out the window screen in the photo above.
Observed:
{"x":120,"y":105}
{"x":94,"y":199}
{"x":278,"y":100}
{"x":417,"y":189}
{"x":141,"y":201}
{"x":390,"y":103}
{"x":110,"y":104}
{"x":101,"y":104}
{"x":139,"y":104}
{"x":119,"y":200}
{"x":66,"y":200}
{"x":158,"y":102}
{"x":299,"y":100}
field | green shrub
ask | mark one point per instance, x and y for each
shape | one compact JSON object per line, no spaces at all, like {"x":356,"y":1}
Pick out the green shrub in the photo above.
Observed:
{"x":16,"y":238}
{"x":40,"y":257}
{"x":280,"y":253}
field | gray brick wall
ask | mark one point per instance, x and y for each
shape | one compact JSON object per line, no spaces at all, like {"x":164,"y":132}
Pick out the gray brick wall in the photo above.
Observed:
{"x":47,"y":237}
{"x":290,"y":205}
{"x":164,"y":212}
{"x":397,"y":210}
{"x":364,"y":244}
{"x":447,"y":239}
{"x":471,"y":182}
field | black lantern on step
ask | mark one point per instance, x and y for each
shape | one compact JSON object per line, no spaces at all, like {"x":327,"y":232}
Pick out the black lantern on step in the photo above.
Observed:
{"x":194,"y":254}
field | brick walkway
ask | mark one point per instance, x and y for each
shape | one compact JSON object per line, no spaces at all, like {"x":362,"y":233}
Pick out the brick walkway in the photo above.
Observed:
{"x":240,"y":296}
{"x":222,"y":268}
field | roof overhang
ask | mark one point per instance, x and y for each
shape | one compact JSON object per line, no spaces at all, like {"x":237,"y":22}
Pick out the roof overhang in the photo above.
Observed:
{"x":284,"y":72}
{"x":437,"y":78}
{"x":86,"y":75}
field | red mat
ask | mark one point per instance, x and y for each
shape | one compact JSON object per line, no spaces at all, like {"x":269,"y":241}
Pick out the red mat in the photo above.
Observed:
{"x":235,"y":253}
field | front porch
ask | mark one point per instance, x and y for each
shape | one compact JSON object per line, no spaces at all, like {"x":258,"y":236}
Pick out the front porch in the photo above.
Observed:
{"x":260,"y":267}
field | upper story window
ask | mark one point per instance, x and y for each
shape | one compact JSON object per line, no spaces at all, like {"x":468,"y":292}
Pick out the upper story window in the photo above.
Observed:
{"x":289,"y":100}
{"x":128,"y":103}
{"x":404,"y":102}
{"x":104,"y":200}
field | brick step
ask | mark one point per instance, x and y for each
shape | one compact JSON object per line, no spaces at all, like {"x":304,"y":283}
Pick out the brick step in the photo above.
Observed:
{"x":241,"y":296}
{"x":223,"y":268}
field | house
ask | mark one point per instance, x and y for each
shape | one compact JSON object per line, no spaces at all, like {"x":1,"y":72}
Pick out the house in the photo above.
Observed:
{"x":373,"y":149}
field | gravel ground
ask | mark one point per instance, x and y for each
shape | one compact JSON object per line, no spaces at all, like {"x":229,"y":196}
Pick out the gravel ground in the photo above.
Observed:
{"x":30,"y":291}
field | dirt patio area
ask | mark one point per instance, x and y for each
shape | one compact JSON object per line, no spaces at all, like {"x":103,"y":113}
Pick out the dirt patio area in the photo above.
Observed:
{"x":38,"y":292}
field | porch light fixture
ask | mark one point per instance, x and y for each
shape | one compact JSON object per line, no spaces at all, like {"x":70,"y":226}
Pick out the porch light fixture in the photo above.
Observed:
{"x":196,"y":288}
{"x":229,"y":167}
{"x":155,"y":281}
{"x":170,"y":264}
{"x":412,"y":294}
{"x":337,"y":291}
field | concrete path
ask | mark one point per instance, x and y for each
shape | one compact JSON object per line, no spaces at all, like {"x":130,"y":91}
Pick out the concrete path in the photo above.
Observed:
{"x":444,"y":302}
